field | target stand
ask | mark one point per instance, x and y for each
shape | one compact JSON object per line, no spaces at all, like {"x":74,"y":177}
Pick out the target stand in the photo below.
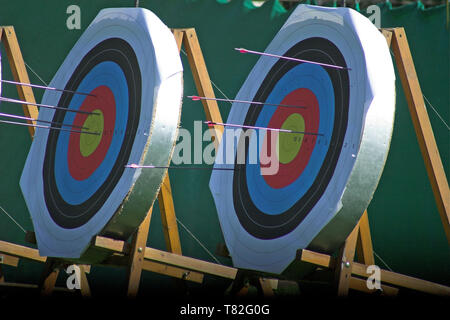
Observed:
{"x":135,"y":256}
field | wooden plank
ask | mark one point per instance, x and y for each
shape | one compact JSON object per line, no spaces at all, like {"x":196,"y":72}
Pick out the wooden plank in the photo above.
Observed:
{"x":319,"y":259}
{"x":9,"y":260}
{"x":119,"y":260}
{"x":361,"y":285}
{"x":20,"y":74}
{"x":364,"y":248}
{"x":168,"y":218}
{"x":172,"y":271}
{"x":203,"y":83}
{"x":190,"y":263}
{"x":422,"y":126}
{"x":169,"y":258}
{"x":21,"y":251}
{"x":109,"y":244}
{"x":344,"y":263}
{"x":403,"y":280}
{"x":137,"y":255}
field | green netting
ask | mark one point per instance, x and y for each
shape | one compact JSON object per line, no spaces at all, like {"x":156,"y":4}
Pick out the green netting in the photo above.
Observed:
{"x":406,"y":227}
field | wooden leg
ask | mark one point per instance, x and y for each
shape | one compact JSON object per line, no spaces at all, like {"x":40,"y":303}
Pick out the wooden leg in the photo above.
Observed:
{"x":19,"y":73}
{"x":364,"y":244}
{"x":344,"y":263}
{"x":243,"y":292}
{"x":48,"y":278}
{"x":168,"y":217}
{"x":422,"y":126}
{"x":364,"y":250}
{"x":170,"y":227}
{"x":267,"y":286}
{"x":137,"y":255}
{"x":84,"y":284}
{"x":238,"y":286}
{"x":203,"y":82}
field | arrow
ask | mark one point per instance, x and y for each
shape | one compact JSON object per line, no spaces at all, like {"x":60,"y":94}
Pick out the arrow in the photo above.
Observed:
{"x":197,"y":98}
{"x":242,"y":50}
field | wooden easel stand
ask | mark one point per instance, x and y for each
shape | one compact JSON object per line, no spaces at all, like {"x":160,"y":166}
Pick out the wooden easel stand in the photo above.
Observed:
{"x":137,"y":256}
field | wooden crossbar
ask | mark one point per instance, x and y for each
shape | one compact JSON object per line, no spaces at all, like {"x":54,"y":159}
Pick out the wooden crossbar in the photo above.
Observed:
{"x":390,"y":277}
{"x":168,"y":258}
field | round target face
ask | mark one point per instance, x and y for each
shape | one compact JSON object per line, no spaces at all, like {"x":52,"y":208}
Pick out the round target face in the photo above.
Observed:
{"x":302,"y":175}
{"x":127,"y":64}
{"x":321,"y":182}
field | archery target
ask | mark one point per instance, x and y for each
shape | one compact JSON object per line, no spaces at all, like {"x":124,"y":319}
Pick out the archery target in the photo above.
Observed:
{"x":76,"y":185}
{"x":325,"y":176}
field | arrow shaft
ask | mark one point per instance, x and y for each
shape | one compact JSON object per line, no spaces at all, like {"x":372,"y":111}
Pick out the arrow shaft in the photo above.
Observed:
{"x":242,"y":50}
{"x":261,"y":128}
{"x":247,"y":102}
{"x":47,"y":127}
{"x":15,"y":101}
{"x":135,"y":166}
{"x":7,"y":115}
{"x":45,"y":87}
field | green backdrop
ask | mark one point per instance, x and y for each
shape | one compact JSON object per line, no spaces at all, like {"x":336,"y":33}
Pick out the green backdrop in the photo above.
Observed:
{"x":406,"y":228}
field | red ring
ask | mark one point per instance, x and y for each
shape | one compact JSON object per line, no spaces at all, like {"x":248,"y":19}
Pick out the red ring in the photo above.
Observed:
{"x":289,"y":172}
{"x":81,"y":167}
